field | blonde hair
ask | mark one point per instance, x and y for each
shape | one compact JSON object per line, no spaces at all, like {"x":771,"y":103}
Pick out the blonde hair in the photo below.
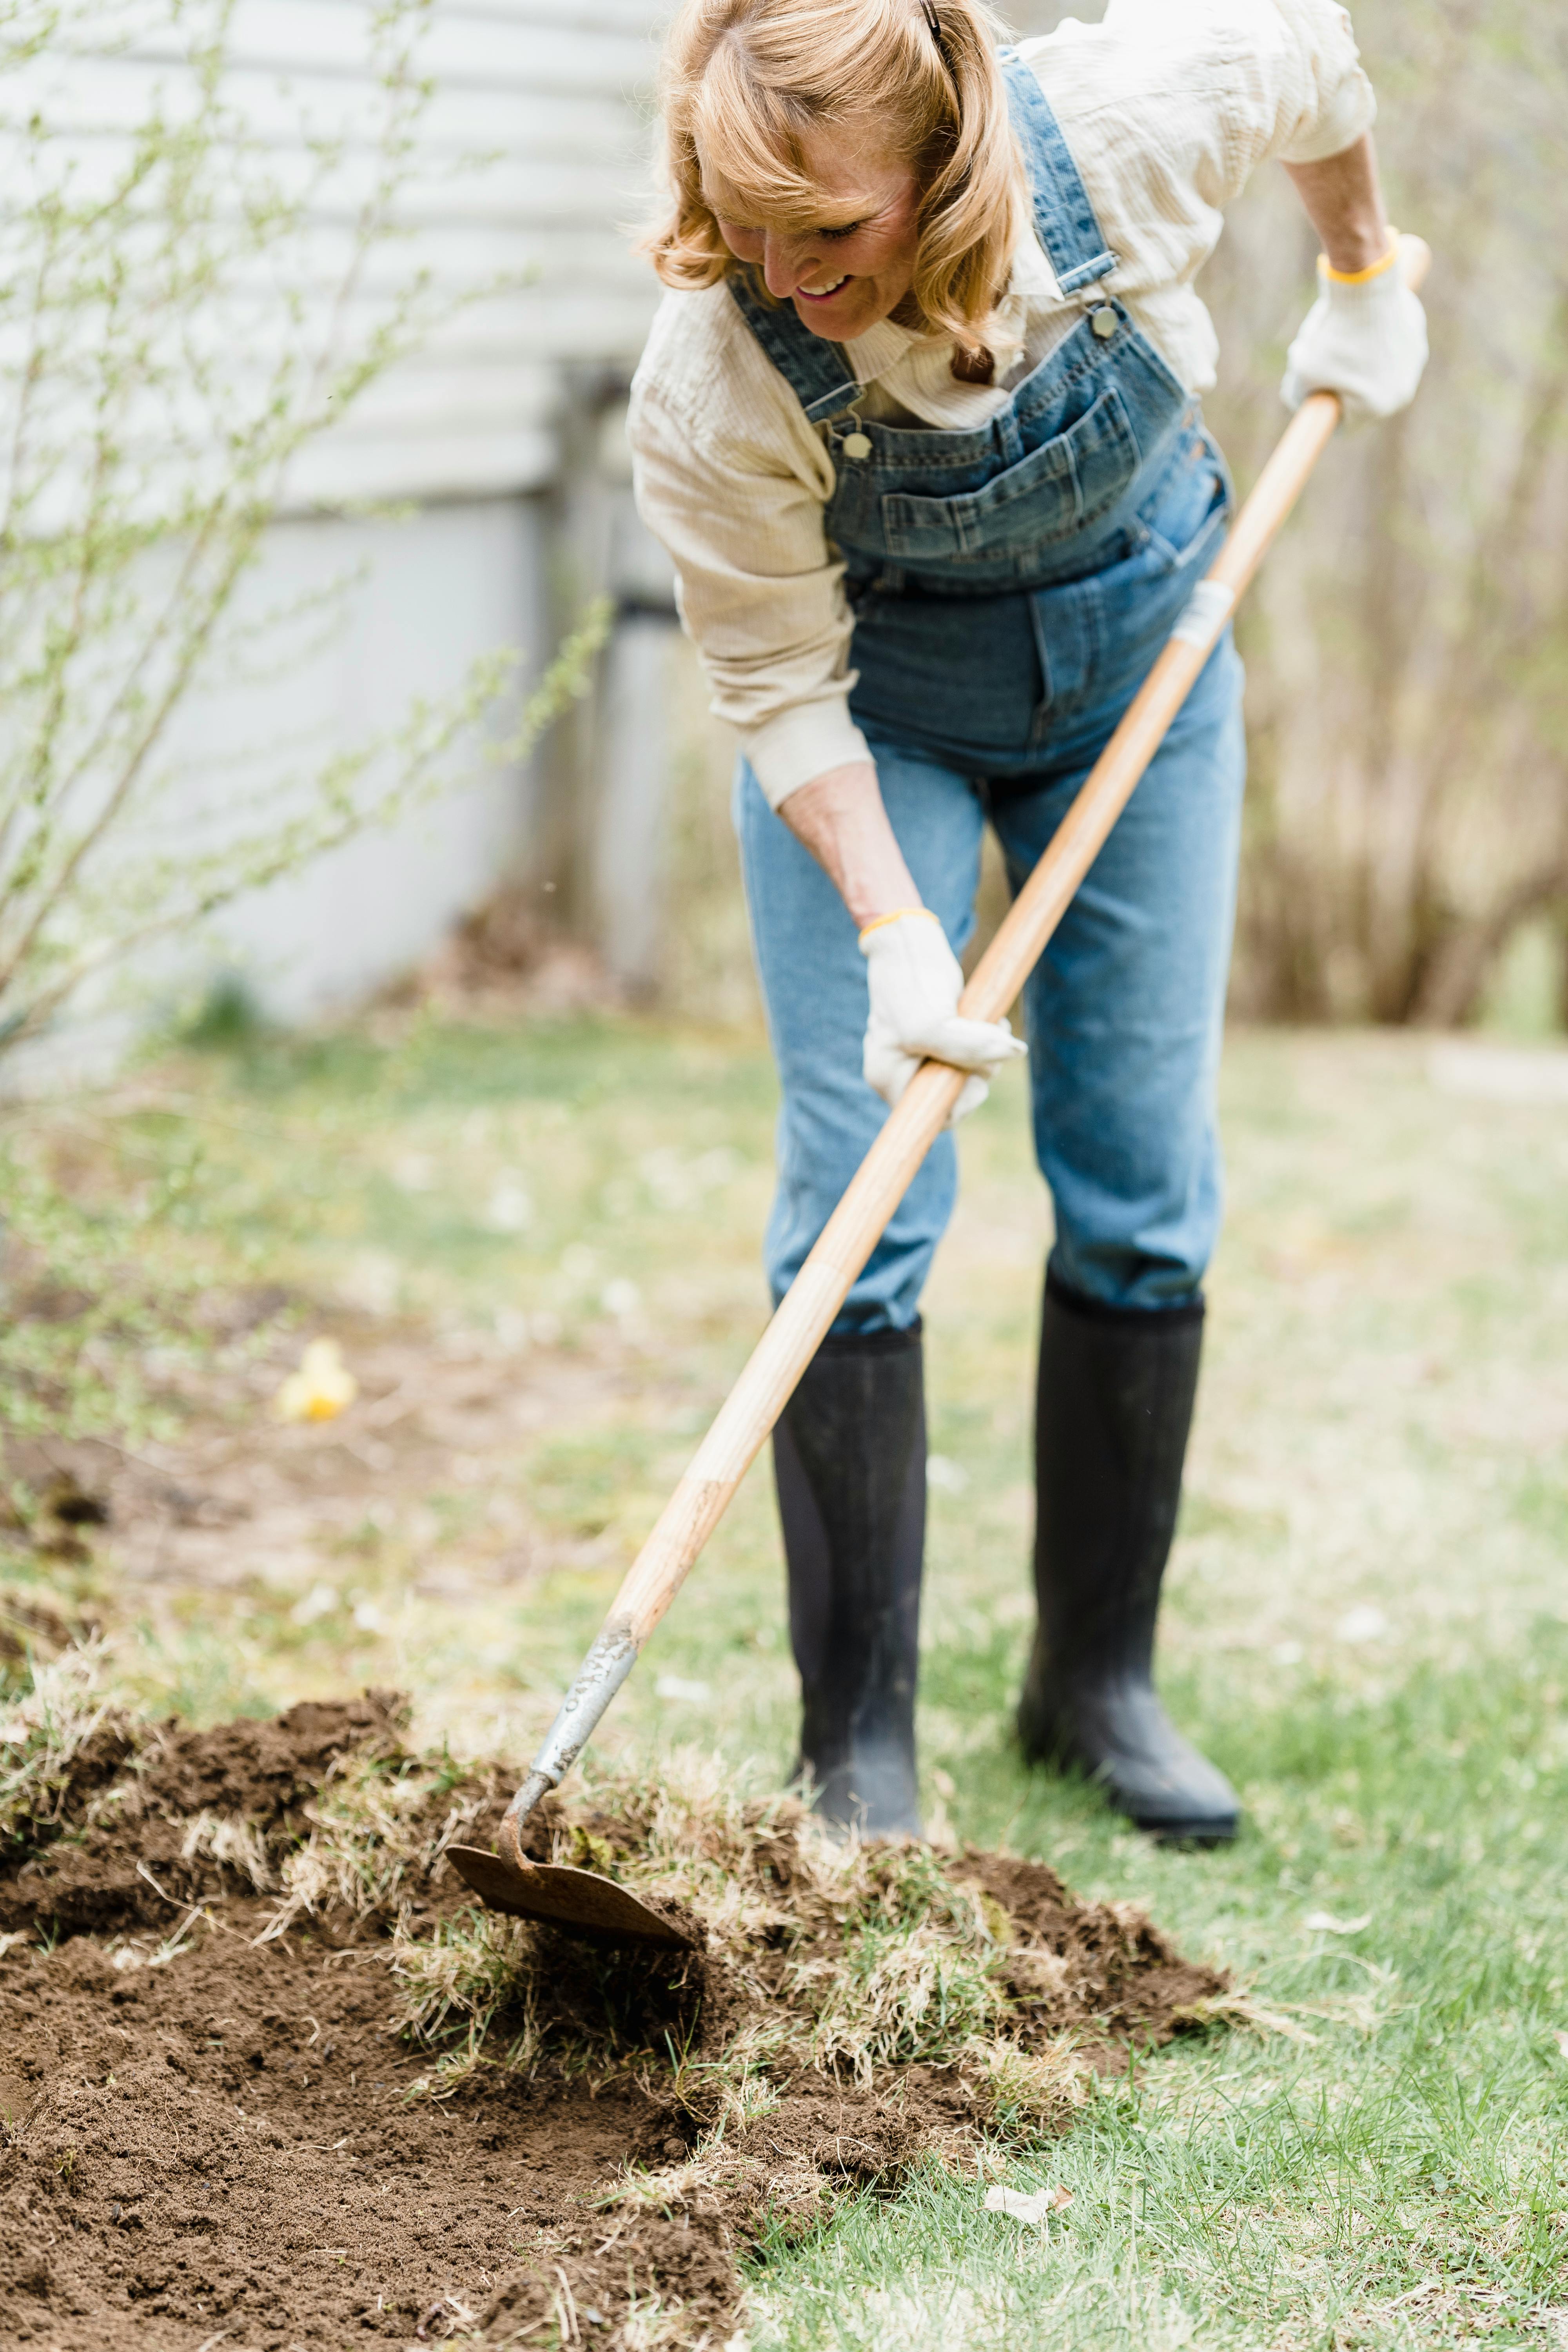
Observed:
{"x":743,"y":80}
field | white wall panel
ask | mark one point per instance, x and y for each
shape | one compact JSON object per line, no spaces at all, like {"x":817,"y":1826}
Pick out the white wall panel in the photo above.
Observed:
{"x":435,"y":592}
{"x":534,"y":152}
{"x":532,"y":155}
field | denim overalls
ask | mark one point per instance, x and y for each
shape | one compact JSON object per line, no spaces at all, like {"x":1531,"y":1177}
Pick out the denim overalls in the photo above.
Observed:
{"x":1011,"y":587}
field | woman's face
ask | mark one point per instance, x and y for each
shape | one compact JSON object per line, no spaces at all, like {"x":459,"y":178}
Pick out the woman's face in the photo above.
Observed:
{"x":856,"y":262}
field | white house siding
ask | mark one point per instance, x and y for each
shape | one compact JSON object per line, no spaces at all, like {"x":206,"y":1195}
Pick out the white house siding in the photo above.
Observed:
{"x":552,"y":98}
{"x":453,"y":581}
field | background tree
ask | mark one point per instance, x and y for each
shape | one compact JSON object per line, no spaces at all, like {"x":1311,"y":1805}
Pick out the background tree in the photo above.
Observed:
{"x":1407,"y":642}
{"x":176,"y":326}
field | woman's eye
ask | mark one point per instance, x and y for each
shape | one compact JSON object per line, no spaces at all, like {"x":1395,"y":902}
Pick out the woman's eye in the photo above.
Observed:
{"x":833,"y":235}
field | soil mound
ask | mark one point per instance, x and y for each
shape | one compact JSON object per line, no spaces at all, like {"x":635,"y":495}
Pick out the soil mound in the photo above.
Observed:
{"x":104,"y":1831}
{"x":269,"y":2078}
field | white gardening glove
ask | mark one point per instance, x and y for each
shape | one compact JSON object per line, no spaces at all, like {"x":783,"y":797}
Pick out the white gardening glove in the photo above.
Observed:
{"x":915,"y":983}
{"x":1363,"y":337}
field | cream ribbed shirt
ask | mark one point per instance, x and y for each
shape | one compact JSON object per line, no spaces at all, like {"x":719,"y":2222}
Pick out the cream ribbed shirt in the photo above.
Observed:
{"x":1168,"y":107}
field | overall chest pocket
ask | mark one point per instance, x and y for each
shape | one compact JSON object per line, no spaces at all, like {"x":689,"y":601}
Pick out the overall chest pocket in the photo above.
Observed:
{"x":1049,"y":494}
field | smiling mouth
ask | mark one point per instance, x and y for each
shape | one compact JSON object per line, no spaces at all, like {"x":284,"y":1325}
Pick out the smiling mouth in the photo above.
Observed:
{"x":822,"y":293}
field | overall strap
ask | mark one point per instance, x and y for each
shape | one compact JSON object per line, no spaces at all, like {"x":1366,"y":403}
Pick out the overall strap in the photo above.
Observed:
{"x":1064,"y":217}
{"x":817,"y":372}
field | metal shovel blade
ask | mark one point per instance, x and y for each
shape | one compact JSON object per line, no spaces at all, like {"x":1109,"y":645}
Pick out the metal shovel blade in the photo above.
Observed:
{"x":578,"y":1900}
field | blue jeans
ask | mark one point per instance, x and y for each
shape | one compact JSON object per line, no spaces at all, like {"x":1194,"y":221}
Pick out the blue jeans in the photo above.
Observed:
{"x":1123,"y":1012}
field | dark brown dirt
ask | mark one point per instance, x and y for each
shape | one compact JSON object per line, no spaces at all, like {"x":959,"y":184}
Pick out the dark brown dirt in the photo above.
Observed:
{"x":227,"y":2142}
{"x":120,"y":1870}
{"x":1108,"y":1961}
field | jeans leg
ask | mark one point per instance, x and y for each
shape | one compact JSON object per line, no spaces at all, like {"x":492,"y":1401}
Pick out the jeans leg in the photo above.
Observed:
{"x":814,"y":990}
{"x":1125,"y":1011}
{"x":1124,"y":1014}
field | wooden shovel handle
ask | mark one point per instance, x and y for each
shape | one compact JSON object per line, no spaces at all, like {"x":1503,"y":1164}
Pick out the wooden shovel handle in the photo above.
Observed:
{"x":819,"y":1290}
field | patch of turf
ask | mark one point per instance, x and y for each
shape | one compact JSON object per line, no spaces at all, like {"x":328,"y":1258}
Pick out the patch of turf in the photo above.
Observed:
{"x":1396,"y":2175}
{"x":1366,"y":1622}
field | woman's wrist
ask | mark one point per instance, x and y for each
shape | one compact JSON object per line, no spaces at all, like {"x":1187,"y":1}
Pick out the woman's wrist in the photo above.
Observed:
{"x":1387,"y":259}
{"x":1357,"y":253}
{"x":840,"y":818}
{"x":1344,"y":203}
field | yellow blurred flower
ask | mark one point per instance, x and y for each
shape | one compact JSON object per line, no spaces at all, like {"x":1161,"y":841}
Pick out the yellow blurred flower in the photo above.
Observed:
{"x":321,"y":1388}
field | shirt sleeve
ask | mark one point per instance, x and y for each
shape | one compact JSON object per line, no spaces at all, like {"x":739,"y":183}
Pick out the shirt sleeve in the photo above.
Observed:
{"x":1331,"y":103}
{"x":1243,"y":82}
{"x":740,"y":510}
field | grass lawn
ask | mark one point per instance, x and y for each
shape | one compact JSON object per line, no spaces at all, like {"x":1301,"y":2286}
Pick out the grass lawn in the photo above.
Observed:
{"x":537,"y":1246}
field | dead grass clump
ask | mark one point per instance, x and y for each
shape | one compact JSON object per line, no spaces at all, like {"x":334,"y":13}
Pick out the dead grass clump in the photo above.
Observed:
{"x":233,"y":1843}
{"x":377,"y":1833}
{"x":915,"y":1976}
{"x":462,"y":1974}
{"x":1031,"y":2087}
{"x":58,"y":1734}
{"x":853,"y":1965}
{"x":232,"y":1809}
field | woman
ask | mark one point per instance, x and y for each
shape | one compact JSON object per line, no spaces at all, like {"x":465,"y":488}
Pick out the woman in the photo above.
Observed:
{"x":919,"y":423}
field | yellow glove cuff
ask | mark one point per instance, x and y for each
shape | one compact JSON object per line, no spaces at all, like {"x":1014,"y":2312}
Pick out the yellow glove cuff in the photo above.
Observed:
{"x":896,"y":917}
{"x":1360,"y":276}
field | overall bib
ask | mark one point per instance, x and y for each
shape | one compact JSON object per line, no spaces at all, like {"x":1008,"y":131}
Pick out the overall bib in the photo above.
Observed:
{"x":1011,"y":587}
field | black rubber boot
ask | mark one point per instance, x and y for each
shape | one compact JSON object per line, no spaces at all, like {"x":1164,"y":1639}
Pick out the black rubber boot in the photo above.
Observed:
{"x":849,"y":1457}
{"x":1114,"y":1406}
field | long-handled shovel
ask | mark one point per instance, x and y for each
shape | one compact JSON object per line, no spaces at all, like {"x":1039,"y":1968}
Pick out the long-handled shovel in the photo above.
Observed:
{"x":580,"y":1899}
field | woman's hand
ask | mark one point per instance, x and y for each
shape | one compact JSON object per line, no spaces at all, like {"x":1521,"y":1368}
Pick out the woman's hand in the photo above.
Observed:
{"x":1365,"y":335}
{"x":1365,"y":339}
{"x":915,"y":983}
{"x":912,"y":973}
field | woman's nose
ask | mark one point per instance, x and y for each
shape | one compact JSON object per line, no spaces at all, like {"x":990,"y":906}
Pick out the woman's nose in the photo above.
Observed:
{"x":788,"y":262}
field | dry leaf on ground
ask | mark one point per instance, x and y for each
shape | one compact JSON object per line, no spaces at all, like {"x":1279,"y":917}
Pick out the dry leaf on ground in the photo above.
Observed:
{"x":1027,"y":2205}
